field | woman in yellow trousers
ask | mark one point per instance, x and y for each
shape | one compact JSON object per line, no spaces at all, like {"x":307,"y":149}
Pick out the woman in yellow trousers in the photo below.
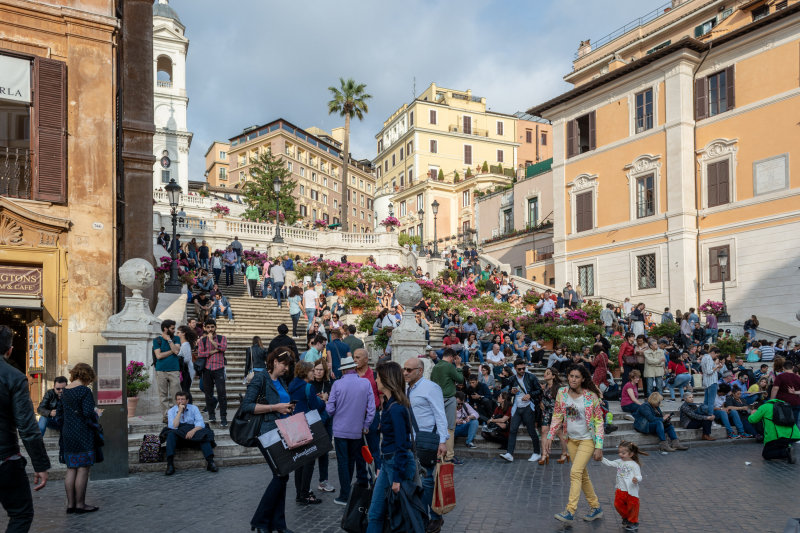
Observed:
{"x":578,"y":410}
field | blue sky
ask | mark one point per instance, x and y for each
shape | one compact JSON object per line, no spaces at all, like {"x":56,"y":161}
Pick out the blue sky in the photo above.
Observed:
{"x":251,"y":61}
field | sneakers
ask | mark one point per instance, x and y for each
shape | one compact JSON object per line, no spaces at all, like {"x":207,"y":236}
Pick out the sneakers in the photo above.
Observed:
{"x":707,"y":437}
{"x":534,"y":458}
{"x":566,"y":516}
{"x":337,"y":501}
{"x":223,"y":424}
{"x":665,"y":447}
{"x":632,"y":527}
{"x":324,"y":486}
{"x":628,"y":417}
{"x":594,"y":514}
{"x":508,"y":457}
{"x":456,"y":461}
{"x":471,"y":445}
{"x":734,"y":436}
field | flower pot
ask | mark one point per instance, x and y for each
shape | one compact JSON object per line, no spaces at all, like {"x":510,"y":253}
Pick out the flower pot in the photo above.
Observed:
{"x":617,"y":372}
{"x":530,"y":308}
{"x":341,"y":292}
{"x":357,"y":310}
{"x":132,"y":403}
{"x":548,"y":344}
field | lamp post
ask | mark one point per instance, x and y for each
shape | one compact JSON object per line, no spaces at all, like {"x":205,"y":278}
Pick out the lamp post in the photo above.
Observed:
{"x":435,"y":209}
{"x":421,"y":214}
{"x":722,"y":257}
{"x":173,"y":285}
{"x":276,"y":186}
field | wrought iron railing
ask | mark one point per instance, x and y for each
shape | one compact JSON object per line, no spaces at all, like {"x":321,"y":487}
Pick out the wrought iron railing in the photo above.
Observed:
{"x":15,"y":172}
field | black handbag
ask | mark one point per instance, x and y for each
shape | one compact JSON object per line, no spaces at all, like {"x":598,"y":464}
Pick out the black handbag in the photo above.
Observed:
{"x":782,"y":414}
{"x":246,"y":427}
{"x":427,"y":444}
{"x":354,"y":519}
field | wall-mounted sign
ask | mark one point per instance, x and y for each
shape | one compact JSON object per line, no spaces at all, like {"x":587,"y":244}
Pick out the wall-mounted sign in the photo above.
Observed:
{"x":36,"y":358}
{"x":15,"y":79}
{"x":20,"y":281}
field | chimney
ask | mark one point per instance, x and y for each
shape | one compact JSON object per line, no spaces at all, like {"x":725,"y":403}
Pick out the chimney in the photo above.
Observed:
{"x":584,"y":48}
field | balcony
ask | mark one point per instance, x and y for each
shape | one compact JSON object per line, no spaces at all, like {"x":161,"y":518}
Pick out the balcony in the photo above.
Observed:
{"x":457,"y":128}
{"x":15,"y":172}
{"x":164,"y":84}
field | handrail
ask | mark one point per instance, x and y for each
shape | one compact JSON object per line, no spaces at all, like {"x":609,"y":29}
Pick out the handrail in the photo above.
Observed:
{"x":619,"y":32}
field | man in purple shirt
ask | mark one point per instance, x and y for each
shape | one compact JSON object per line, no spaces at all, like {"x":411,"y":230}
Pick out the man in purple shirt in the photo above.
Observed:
{"x":352,"y":406}
{"x":712,"y":327}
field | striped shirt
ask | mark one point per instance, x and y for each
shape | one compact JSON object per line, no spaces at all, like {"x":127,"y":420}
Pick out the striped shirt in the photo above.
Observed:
{"x":767,"y":353}
{"x":216,"y":358}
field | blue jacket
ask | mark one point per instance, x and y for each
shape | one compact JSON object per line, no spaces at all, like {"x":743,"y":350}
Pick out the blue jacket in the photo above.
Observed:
{"x":305,"y":395}
{"x":262,"y":390}
{"x":644,"y":416}
{"x":396,"y":431}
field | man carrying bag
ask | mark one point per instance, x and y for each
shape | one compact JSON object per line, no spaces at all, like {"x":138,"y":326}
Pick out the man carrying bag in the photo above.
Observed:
{"x":429,"y":422}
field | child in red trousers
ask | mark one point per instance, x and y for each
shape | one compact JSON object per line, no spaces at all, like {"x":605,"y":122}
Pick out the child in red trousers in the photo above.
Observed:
{"x":629,"y":475}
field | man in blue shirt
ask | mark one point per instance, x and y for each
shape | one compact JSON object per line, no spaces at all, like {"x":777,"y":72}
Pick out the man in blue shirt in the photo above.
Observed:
{"x":337,"y":350}
{"x":221,"y":306}
{"x":165,"y":350}
{"x":186,"y":428}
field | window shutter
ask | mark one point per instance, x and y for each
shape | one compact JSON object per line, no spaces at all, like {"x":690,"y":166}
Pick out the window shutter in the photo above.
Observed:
{"x":730,"y":86}
{"x":592,"y":136}
{"x":714,"y":271}
{"x":50,"y":130}
{"x":723,"y":182}
{"x":700,"y":98}
{"x":467,"y":125}
{"x":432,"y":116}
{"x":572,"y":139}
{"x":583,"y":212}
{"x":711,"y":189}
{"x":467,"y":154}
{"x":499,"y":128}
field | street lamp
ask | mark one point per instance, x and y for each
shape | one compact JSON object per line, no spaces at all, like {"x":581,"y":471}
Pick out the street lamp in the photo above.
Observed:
{"x":276,"y":186}
{"x":421,"y":214}
{"x":173,"y":285}
{"x":722,"y":257}
{"x":435,"y":209}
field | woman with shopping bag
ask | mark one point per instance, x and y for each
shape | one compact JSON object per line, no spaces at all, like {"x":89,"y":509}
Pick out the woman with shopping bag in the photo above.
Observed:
{"x":268,"y":396}
{"x":399,"y":463}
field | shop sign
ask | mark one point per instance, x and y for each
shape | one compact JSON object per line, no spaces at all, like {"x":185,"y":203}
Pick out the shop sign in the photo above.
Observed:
{"x":15,"y":79}
{"x":20,"y":281}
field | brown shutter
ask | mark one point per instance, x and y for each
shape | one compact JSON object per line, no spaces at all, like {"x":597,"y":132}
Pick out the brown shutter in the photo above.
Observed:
{"x":50,"y":130}
{"x":711,"y":188}
{"x":730,"y":86}
{"x":723,"y":182}
{"x":700,"y":98}
{"x":584,"y":218}
{"x":432,"y":116}
{"x":467,"y":154}
{"x":592,"y":136}
{"x":714,"y":271}
{"x":572,"y":139}
{"x":467,"y":125}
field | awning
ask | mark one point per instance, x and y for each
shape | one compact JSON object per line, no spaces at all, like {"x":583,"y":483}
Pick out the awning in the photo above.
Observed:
{"x":21,"y":303}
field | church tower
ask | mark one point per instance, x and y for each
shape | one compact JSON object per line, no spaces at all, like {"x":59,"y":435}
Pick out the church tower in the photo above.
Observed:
{"x":172,"y":139}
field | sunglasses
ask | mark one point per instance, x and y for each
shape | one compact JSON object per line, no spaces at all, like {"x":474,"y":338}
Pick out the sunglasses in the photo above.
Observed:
{"x":59,"y":388}
{"x":409,"y":370}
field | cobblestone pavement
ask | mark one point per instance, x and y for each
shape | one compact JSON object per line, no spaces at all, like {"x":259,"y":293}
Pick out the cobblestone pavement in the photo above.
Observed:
{"x":680,"y":492}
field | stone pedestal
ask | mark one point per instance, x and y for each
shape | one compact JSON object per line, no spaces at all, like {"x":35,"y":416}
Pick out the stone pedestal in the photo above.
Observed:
{"x":135,"y":326}
{"x":408,"y":339}
{"x":277,"y":248}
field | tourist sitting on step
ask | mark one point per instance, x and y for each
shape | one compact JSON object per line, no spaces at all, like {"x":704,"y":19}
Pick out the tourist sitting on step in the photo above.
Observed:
{"x":49,"y":404}
{"x":221,"y":306}
{"x":186,"y":428}
{"x":202,"y":306}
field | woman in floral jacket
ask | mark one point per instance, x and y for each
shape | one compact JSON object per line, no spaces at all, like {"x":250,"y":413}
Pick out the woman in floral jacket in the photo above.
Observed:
{"x":578,"y":410}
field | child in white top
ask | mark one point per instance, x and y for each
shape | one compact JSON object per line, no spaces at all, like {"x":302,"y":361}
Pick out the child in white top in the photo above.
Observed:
{"x":629,"y":475}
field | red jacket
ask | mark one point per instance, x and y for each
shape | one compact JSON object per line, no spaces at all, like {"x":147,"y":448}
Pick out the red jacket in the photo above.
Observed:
{"x":625,"y":349}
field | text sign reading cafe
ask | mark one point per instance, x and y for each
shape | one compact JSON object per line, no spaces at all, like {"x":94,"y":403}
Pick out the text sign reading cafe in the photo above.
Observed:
{"x":21,"y":281}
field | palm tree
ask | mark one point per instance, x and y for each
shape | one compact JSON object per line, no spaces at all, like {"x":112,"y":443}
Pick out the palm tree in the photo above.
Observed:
{"x":349,"y":100}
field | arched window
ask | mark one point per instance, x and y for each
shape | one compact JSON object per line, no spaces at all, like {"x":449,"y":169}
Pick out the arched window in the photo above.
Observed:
{"x":164,"y":71}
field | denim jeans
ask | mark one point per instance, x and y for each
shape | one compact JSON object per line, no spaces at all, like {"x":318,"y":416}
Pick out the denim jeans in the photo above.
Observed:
{"x":427,"y":493}
{"x":631,"y":408}
{"x":377,"y":508}
{"x":725,"y":418}
{"x":295,"y":320}
{"x":467,"y":430}
{"x":277,"y":289}
{"x":265,"y":285}
{"x":215,"y":311}
{"x":465,"y":355}
{"x":310,"y":315}
{"x":655,"y":383}
{"x":681,"y":382}
{"x":229,"y":274}
{"x":173,"y":439}
{"x":657,"y":428}
{"x":46,"y":422}
{"x":217,"y":274}
{"x":708,"y":397}
{"x":15,"y":495}
{"x":348,"y":458}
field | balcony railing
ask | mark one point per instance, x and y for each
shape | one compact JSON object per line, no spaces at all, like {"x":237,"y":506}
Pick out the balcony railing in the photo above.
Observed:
{"x":164,"y":84}
{"x":15,"y":172}
{"x":457,"y":128}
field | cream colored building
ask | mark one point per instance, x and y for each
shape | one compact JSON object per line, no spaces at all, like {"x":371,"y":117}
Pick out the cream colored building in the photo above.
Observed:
{"x":447,"y":134}
{"x":315,"y":162}
{"x":217,"y":164}
{"x":680,"y":142}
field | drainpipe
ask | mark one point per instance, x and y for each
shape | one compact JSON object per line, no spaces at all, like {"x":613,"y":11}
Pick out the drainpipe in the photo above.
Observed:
{"x":698,"y":272}
{"x":537,"y":143}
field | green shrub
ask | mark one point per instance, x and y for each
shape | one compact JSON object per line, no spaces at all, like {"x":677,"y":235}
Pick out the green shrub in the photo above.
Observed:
{"x":667,"y":329}
{"x":485,"y":167}
{"x":731,"y":345}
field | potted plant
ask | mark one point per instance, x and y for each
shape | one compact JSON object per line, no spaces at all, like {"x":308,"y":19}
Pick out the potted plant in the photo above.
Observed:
{"x":137,"y":381}
{"x":320,"y":223}
{"x":358,"y":301}
{"x":220,"y":210}
{"x":390,"y":223}
{"x":530,"y":299}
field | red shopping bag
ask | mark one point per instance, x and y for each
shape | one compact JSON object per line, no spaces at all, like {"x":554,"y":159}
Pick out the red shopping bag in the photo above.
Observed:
{"x":444,"y":489}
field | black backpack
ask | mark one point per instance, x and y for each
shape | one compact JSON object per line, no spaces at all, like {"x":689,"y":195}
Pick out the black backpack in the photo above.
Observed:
{"x":782,"y":414}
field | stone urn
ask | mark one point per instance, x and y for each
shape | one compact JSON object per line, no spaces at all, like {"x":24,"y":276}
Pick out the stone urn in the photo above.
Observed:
{"x":132,"y":403}
{"x":137,"y":274}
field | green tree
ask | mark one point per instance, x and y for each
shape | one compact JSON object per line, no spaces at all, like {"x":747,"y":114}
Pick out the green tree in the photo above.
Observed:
{"x":259,"y":194}
{"x":348,"y":100}
{"x":485,"y":167}
{"x":441,"y":175}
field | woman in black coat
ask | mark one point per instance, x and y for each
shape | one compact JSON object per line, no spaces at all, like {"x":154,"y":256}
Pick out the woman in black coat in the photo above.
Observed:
{"x":268,"y":394}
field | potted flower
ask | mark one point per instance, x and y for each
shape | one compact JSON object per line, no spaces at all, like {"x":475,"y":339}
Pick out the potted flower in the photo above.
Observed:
{"x":341,"y":283}
{"x":530,"y":299}
{"x":320,"y":223}
{"x":390,"y":222}
{"x":712,"y":308}
{"x":220,"y":210}
{"x":138,"y":381}
{"x":358,"y":301}
{"x":271,"y":216}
